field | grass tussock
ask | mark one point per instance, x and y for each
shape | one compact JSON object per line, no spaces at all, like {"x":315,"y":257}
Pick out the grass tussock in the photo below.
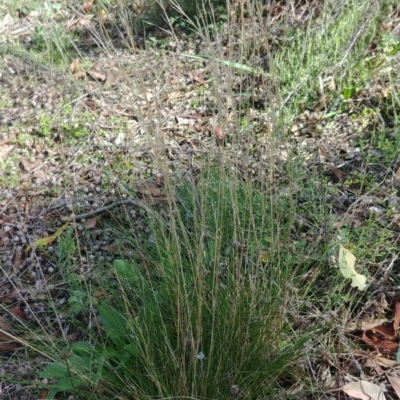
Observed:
{"x":200,"y":310}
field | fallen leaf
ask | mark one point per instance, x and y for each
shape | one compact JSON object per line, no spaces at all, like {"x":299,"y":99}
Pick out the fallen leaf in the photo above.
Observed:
{"x":41,"y":175}
{"x":83,"y":20}
{"x":339,"y":174}
{"x":99,"y":294}
{"x":113,"y":77}
{"x":383,"y":336}
{"x":379,"y":361}
{"x":87,"y":6}
{"x":44,"y":394}
{"x":219,"y":133}
{"x":364,"y":390}
{"x":332,"y":84}
{"x":29,"y":166}
{"x":198,"y":78}
{"x":91,"y":223}
{"x":6,"y":341}
{"x":151,"y":191}
{"x":79,"y":74}
{"x":396,"y":320}
{"x":362,"y":325}
{"x":18,"y":312}
{"x":6,"y":23}
{"x":395,"y":382}
{"x":74,"y":65}
{"x":175,"y":94}
{"x":347,"y":261}
{"x":10,"y":297}
{"x":48,"y":239}
{"x":18,"y":258}
{"x":97,"y":75}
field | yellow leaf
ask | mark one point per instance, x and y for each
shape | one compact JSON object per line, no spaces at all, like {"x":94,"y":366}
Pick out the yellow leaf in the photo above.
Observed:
{"x":347,"y":262}
{"x":48,"y":239}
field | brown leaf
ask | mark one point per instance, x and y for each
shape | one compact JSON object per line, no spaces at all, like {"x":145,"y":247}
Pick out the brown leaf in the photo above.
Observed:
{"x":339,"y":174}
{"x":99,"y":294}
{"x":5,"y":150}
{"x":383,"y":336}
{"x":74,"y":65}
{"x":364,"y":390}
{"x":3,"y":324}
{"x":44,"y":394}
{"x":365,"y":325}
{"x":198,"y":78}
{"x":379,"y":361}
{"x":87,"y":6}
{"x":91,"y":223}
{"x":332,"y":85}
{"x":18,"y":312}
{"x":151,"y":192}
{"x":10,"y":297}
{"x":113,"y":77}
{"x":396,"y":321}
{"x":29,"y":166}
{"x":97,"y":75}
{"x":18,"y":258}
{"x":82,"y":21}
{"x":220,"y":133}
{"x":151,"y":189}
{"x":7,"y":345}
{"x":80,"y":74}
{"x":395,"y":382}
{"x":6,"y":341}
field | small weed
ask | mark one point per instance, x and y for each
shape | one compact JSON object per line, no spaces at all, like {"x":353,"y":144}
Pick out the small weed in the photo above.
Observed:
{"x":389,"y":44}
{"x":45,"y":123}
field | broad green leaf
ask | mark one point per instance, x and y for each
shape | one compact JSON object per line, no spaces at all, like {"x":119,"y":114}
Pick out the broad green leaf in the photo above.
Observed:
{"x":347,"y":262}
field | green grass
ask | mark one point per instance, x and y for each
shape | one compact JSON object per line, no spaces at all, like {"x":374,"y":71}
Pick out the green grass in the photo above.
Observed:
{"x":335,"y":46}
{"x":209,"y":280}
{"x":224,"y":294}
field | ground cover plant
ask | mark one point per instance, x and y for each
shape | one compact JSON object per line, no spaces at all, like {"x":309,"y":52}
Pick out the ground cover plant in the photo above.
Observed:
{"x":184,"y":194}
